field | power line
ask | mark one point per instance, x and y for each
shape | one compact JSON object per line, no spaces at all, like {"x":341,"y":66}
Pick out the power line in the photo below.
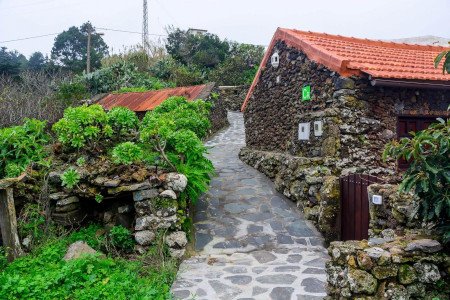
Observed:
{"x":52,"y":34}
{"x":30,"y":37}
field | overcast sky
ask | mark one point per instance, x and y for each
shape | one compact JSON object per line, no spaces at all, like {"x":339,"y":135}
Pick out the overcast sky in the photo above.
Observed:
{"x":249,"y":21}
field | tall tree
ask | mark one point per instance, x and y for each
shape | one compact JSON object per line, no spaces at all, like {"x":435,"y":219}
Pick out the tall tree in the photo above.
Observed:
{"x":11,"y":62}
{"x":205,"y":51}
{"x":70,"y":48}
{"x":36,"y":62}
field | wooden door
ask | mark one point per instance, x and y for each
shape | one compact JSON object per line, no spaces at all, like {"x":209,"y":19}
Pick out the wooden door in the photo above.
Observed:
{"x":355,"y":206}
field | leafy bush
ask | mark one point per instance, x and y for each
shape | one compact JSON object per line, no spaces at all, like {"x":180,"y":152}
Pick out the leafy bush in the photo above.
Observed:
{"x":70,"y":178}
{"x":45,"y":275}
{"x":20,"y":146}
{"x":31,"y":221}
{"x":127,"y":153}
{"x":124,"y":90}
{"x":175,"y":129}
{"x":122,"y":120}
{"x":428,"y":174}
{"x":121,"y":238}
{"x":83,"y":126}
{"x":70,"y":91}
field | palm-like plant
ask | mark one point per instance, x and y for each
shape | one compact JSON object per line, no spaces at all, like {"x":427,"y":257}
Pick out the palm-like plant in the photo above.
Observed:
{"x":446,"y":56}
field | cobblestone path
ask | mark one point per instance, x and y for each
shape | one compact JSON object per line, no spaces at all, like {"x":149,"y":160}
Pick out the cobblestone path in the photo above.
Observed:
{"x":251,"y":241}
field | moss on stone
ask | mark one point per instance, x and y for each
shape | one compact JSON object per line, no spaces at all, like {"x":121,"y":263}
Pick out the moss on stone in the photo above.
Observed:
{"x":406,"y":274}
{"x":383,"y":272}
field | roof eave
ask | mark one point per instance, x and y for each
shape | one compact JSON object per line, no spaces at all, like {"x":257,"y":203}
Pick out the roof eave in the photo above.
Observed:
{"x":406,"y":83}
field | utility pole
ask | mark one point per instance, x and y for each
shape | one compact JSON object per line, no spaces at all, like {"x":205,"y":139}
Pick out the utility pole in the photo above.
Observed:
{"x":88,"y":58}
{"x":145,"y":42}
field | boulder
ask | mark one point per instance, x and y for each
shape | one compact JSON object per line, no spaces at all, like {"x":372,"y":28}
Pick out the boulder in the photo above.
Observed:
{"x":68,"y":201}
{"x":177,"y":253}
{"x":129,"y":188}
{"x":427,"y":272}
{"x":361,"y":282}
{"x":424,"y":245}
{"x":176,"y":182}
{"x":145,"y":194}
{"x":168,"y":194}
{"x":78,"y":249}
{"x":145,"y":237}
{"x":176,"y":239}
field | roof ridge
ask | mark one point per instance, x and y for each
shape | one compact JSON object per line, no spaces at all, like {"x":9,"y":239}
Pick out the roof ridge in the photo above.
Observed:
{"x":372,"y":41}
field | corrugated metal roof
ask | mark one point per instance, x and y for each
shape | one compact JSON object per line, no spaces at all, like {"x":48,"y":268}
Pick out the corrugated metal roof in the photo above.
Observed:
{"x":144,"y":101}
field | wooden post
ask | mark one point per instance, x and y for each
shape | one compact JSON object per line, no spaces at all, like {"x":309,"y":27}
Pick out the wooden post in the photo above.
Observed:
{"x":8,"y":221}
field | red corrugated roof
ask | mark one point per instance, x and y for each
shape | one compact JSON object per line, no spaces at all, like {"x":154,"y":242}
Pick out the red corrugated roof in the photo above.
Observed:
{"x":355,"y":56}
{"x":144,"y":101}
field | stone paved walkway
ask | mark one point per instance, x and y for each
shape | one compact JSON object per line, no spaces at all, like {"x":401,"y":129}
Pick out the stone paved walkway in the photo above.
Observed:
{"x":251,"y":241}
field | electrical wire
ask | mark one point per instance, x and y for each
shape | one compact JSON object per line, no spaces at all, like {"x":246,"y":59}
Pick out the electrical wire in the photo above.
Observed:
{"x":127,"y":31}
{"x":29,"y":38}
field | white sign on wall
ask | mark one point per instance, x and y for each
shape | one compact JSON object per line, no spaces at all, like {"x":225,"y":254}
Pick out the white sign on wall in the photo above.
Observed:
{"x":303,"y":131}
{"x":318,"y":128}
{"x":377,"y":199}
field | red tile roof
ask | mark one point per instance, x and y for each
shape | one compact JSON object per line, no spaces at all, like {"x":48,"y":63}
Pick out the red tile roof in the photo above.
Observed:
{"x":355,"y":56}
{"x":144,"y":101}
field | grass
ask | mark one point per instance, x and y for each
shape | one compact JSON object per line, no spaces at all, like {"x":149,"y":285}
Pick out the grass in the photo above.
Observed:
{"x":43,"y":274}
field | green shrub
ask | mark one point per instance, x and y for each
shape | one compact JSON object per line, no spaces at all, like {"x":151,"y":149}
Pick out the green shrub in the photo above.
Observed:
{"x":70,"y":178}
{"x":71,"y":91}
{"x":31,"y":221}
{"x":45,"y":275}
{"x":175,"y":129}
{"x":127,"y":153}
{"x":83,"y":126}
{"x":124,"y":90}
{"x":121,"y":238}
{"x":122,"y":120}
{"x":428,"y":174}
{"x":20,"y":146}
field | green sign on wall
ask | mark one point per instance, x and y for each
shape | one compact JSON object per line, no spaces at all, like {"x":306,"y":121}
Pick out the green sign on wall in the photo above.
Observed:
{"x":306,"y":93}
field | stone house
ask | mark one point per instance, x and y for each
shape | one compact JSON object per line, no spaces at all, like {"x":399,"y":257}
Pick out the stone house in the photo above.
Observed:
{"x":323,"y":106}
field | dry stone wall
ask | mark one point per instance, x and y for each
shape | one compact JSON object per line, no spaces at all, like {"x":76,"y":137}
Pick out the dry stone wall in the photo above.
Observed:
{"x":143,"y":199}
{"x":233,"y":96}
{"x":310,"y":182}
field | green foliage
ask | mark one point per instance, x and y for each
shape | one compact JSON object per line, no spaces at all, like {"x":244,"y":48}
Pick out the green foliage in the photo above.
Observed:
{"x":121,"y":238}
{"x":124,"y":90}
{"x":428,"y":174}
{"x":445,"y":55}
{"x":127,"y":153}
{"x":36,"y":62}
{"x":83,"y":126}
{"x":20,"y":146}
{"x":70,"y":48}
{"x":81,"y":161}
{"x":45,"y":275}
{"x":72,"y":91}
{"x":11,"y":62}
{"x":122,"y":120}
{"x":175,"y":129}
{"x":3,"y":259}
{"x":31,"y":222}
{"x":120,"y":75}
{"x":98,"y":198}
{"x":70,"y":178}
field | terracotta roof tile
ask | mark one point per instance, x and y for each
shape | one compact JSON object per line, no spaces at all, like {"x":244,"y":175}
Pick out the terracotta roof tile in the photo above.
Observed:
{"x":356,"y":56}
{"x":144,"y":101}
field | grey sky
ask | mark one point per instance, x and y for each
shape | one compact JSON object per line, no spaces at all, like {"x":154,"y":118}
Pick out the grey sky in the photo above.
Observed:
{"x":250,"y":21}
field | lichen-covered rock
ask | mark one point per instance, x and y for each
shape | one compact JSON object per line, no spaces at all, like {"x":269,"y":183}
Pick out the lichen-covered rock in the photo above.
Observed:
{"x":336,"y":276}
{"x":145,"y":237}
{"x":406,"y":274}
{"x":424,"y":245}
{"x":176,"y":182}
{"x":364,"y":260}
{"x":177,"y":253}
{"x":427,"y":272}
{"x":129,"y":188}
{"x":361,"y":282}
{"x":145,"y":194}
{"x":397,"y":292}
{"x":176,"y":239}
{"x":78,"y":249}
{"x":168,"y":194}
{"x":383,"y":272}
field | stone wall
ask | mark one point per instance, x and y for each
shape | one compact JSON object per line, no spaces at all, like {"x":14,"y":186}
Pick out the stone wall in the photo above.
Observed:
{"x":407,"y":267}
{"x":395,"y":211}
{"x":141,"y":198}
{"x":310,"y":182}
{"x":358,"y":119}
{"x":218,"y":115}
{"x":233,"y":96}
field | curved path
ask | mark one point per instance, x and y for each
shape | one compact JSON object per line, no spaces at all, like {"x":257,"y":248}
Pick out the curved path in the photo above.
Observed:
{"x":251,"y":241}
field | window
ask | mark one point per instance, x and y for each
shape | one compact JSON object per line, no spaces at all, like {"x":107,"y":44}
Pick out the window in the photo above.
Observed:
{"x":275,"y":60}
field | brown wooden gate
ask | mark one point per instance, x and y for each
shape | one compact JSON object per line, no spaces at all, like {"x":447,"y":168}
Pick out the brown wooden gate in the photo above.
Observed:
{"x":355,"y":206}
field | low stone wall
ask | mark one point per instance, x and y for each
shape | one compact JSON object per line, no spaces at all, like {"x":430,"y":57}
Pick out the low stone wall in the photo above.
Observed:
{"x":233,"y":96}
{"x":218,"y":115}
{"x":143,"y":199}
{"x":310,"y":182}
{"x":407,"y":267}
{"x":395,"y":211}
